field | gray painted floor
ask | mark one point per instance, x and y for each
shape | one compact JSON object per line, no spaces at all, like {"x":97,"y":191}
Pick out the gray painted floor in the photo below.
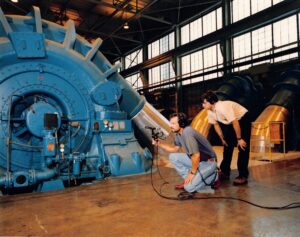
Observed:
{"x":129,"y":207}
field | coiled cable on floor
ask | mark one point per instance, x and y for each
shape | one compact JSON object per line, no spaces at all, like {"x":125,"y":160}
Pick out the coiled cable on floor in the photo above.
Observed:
{"x":183,"y":196}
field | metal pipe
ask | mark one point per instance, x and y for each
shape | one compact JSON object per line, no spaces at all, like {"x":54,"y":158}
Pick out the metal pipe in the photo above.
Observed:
{"x":33,"y":177}
{"x":45,"y":174}
{"x":278,"y":110}
{"x":8,"y":133}
{"x":149,"y":116}
{"x":200,"y":123}
{"x":260,"y":130}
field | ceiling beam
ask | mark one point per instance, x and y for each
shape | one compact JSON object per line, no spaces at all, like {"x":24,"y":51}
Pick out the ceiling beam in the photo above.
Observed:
{"x":147,"y":30}
{"x":108,"y":18}
{"x":103,"y":3}
{"x":133,"y":17}
{"x":116,"y":46}
{"x":16,"y":6}
{"x":45,"y":5}
{"x":141,"y":29}
{"x":110,"y":53}
{"x":156,"y":19}
{"x":183,"y":6}
{"x":178,"y":12}
{"x":84,"y":31}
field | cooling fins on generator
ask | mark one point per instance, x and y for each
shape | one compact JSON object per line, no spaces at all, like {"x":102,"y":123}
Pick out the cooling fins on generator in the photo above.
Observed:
{"x":66,"y":113}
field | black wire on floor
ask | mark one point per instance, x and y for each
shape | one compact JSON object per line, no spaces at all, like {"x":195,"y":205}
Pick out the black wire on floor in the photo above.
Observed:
{"x":191,"y":196}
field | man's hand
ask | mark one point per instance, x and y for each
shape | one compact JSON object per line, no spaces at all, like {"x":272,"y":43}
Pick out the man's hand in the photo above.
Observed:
{"x":242,"y":144}
{"x":189,"y":178}
{"x":224,"y":143}
{"x":155,"y":142}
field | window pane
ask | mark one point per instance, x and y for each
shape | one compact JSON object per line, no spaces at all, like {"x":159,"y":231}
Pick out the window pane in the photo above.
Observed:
{"x":127,"y":62}
{"x":285,"y":36}
{"x":134,"y":58}
{"x":197,"y":65}
{"x":277,"y":1}
{"x":155,"y":75}
{"x":185,"y":34}
{"x":185,"y":68}
{"x":202,"y":61}
{"x":262,"y":42}
{"x":259,"y":5}
{"x":219,"y":18}
{"x":164,"y":44}
{"x":171,"y":41}
{"x":149,"y":51}
{"x":242,"y":46}
{"x":210,"y":55}
{"x":164,"y":72}
{"x":240,"y":9}
{"x":140,"y":57}
{"x":202,"y":26}
{"x":196,"y":29}
{"x":242,"y":50}
{"x":209,"y":23}
{"x":185,"y":65}
{"x":285,"y":31}
{"x":172,"y":71}
{"x":161,"y":46}
{"x":220,"y":60}
{"x":155,"y":48}
{"x":161,"y":74}
{"x":135,"y":81}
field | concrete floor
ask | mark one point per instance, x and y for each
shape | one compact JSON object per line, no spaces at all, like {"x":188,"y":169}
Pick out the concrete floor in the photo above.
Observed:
{"x":129,"y":207}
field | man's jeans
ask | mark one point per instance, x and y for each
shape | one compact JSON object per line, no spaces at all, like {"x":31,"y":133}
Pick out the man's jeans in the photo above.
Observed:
{"x":183,"y":165}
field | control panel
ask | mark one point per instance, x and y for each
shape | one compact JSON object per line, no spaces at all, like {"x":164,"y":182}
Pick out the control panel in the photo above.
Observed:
{"x":110,"y":126}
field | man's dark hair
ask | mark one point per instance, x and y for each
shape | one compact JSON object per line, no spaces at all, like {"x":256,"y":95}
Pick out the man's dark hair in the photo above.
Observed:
{"x":182,"y":119}
{"x":210,"y":96}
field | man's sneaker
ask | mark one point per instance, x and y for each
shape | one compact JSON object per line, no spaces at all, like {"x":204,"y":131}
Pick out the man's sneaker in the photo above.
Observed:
{"x":186,"y":195}
{"x":240,"y":181}
{"x":179,"y":186}
{"x":216,"y":184}
{"x":223,"y":177}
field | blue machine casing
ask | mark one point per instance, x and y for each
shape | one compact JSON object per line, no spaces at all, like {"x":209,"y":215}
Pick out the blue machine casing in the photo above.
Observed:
{"x":65,"y":111}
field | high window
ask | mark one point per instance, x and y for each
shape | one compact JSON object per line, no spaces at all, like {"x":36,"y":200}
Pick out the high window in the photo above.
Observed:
{"x":161,"y":45}
{"x":202,"y":61}
{"x":244,"y":8}
{"x":160,"y":74}
{"x":135,"y":81}
{"x":276,"y":37}
{"x":134,"y":58}
{"x":202,"y":26}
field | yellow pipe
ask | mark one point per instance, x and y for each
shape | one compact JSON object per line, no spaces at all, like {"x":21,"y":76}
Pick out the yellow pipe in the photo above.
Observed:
{"x":260,"y":131}
{"x":200,"y":123}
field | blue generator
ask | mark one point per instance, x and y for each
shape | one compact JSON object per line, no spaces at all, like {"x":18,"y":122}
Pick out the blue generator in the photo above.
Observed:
{"x":66,"y":114}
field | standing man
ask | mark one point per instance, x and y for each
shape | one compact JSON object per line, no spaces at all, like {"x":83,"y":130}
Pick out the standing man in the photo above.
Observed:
{"x":233,"y":125}
{"x":197,"y":166}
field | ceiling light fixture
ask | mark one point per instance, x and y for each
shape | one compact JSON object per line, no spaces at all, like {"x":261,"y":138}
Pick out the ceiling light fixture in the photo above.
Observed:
{"x":15,"y":1}
{"x":126,"y":26}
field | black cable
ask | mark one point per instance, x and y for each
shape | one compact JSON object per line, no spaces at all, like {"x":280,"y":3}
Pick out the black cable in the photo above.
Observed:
{"x":157,"y":167}
{"x":155,"y":190}
{"x":204,"y":181}
{"x":191,"y":196}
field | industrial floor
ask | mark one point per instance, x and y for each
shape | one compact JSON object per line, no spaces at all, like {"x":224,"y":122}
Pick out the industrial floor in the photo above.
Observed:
{"x":129,"y":207}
